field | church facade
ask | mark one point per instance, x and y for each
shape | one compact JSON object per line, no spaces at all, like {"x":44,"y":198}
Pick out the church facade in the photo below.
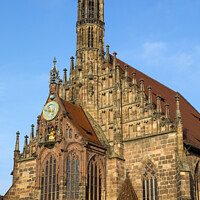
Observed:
{"x":109,"y":132}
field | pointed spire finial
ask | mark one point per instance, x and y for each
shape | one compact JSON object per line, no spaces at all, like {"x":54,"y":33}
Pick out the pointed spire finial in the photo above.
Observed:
{"x":26,"y":141}
{"x":17,"y":142}
{"x":54,"y":61}
{"x":134,"y":81}
{"x":72,"y":64}
{"x":32,"y":133}
{"x":150,"y":95}
{"x":65,"y":76}
{"x":127,"y":173}
{"x":178,"y":111}
{"x":114,"y":59}
{"x":158,"y":103}
{"x":126,"y":71}
{"x":107,"y":54}
{"x":167,"y":111}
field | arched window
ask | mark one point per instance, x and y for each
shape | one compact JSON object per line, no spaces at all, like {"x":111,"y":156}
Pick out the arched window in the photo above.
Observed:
{"x":98,"y":15}
{"x":89,"y":37}
{"x":67,"y":133}
{"x":73,"y":169}
{"x":94,"y":181}
{"x":49,"y":183}
{"x":149,"y":181}
{"x":197,"y":182}
{"x":91,"y":9}
{"x":83,"y":10}
{"x":70,"y":133}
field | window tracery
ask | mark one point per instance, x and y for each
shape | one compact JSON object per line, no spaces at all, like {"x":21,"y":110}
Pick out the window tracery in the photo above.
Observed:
{"x":94,"y":180}
{"x":91,"y":9}
{"x":149,"y":182}
{"x":49,"y":183}
{"x":73,"y":170}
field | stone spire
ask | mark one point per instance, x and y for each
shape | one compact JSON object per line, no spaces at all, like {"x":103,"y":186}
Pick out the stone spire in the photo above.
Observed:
{"x":54,"y":73}
{"x":65,"y":76}
{"x":134,"y":81}
{"x":158,"y":104}
{"x":32,"y":133}
{"x":178,"y":111}
{"x":142,"y":92}
{"x":150,"y":101}
{"x":114,"y":60}
{"x":107,"y":54}
{"x":72,"y":64}
{"x":167,"y":111}
{"x":17,"y":142}
{"x":25,"y":141}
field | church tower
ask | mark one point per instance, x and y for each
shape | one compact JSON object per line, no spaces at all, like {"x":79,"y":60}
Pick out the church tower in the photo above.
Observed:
{"x":90,"y":31}
{"x":84,"y":73}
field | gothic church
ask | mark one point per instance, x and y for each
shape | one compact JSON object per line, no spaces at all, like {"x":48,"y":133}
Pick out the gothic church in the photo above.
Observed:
{"x":109,"y":132}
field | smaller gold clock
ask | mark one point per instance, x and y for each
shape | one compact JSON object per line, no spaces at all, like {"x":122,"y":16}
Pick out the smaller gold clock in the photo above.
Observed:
{"x":50,"y":110}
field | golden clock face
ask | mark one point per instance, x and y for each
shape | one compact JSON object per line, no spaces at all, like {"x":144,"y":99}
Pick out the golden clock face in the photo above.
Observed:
{"x":50,"y":110}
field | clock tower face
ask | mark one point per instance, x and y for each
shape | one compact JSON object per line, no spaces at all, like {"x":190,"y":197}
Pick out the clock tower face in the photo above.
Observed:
{"x":50,"y":110}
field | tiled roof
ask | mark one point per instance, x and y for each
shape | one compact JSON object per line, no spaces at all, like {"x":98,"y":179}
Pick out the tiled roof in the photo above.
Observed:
{"x":80,"y":121}
{"x":127,"y":192}
{"x":190,"y":116}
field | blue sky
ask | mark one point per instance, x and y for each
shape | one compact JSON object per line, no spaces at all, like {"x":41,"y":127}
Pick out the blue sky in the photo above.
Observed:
{"x":159,"y":37}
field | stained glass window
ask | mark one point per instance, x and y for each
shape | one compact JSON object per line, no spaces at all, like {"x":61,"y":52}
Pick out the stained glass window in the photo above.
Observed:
{"x":94,"y":184}
{"x":46,"y":179}
{"x":70,"y":133}
{"x":42,"y":186}
{"x":67,"y":133}
{"x":149,"y":182}
{"x":57,"y":187}
{"x":73,"y":166}
{"x":49,"y":183}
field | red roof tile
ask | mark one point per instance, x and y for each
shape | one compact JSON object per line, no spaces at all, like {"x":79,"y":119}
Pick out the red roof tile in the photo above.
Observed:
{"x":190,"y":116}
{"x":80,"y":121}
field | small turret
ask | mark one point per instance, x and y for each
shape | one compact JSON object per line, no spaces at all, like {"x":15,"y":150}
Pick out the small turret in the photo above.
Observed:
{"x":150,"y":101}
{"x":178,"y":111}
{"x":158,"y":104}
{"x":107,"y":54}
{"x":17,"y":143}
{"x":134,"y":81}
{"x":65,"y":76}
{"x":32,"y":133}
{"x":114,"y":60}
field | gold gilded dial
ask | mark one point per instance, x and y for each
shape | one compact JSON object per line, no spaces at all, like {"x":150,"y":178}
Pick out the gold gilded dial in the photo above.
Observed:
{"x":50,"y":110}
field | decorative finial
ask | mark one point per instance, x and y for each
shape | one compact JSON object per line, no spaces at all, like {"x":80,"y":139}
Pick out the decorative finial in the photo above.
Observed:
{"x":150,"y":95}
{"x":32,"y":133}
{"x":178,"y":111}
{"x":107,"y":54}
{"x":127,"y":173}
{"x":167,"y":111}
{"x":17,"y":142}
{"x":26,"y":141}
{"x":158,"y":103}
{"x":65,"y":76}
{"x":54,"y":61}
{"x":134,"y":81}
{"x":54,"y":73}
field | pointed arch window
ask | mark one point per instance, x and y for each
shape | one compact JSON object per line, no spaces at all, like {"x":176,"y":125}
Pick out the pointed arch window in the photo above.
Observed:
{"x":83,"y":10}
{"x":73,"y":170}
{"x":149,"y":181}
{"x":94,"y":181}
{"x":98,"y":15}
{"x":91,"y":9}
{"x":48,"y":181}
{"x":90,"y":37}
